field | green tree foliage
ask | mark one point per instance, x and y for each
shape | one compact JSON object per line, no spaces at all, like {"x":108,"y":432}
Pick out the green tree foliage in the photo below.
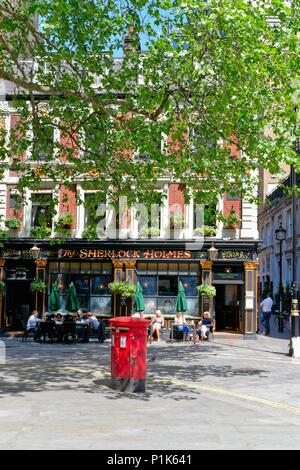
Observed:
{"x":214,"y":75}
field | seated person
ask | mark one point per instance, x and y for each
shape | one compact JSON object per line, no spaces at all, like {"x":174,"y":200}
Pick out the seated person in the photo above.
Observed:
{"x":157,"y":324}
{"x":59,"y":318}
{"x":204,"y":325}
{"x":181,"y":325}
{"x":81,"y":329}
{"x":32,"y":324}
{"x":95,"y":325}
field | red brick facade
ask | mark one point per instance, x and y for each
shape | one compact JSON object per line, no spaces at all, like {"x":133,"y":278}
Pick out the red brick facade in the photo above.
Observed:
{"x":176,"y":196}
{"x":67,"y":202}
{"x":230,"y":205}
{"x":11,"y":211}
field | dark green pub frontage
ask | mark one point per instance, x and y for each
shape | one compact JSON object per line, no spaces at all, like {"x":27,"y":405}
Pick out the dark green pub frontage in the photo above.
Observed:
{"x":158,"y":266}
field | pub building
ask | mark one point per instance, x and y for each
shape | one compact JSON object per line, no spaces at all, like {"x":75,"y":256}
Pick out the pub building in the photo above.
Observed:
{"x":229,"y":265}
{"x":157,"y":263}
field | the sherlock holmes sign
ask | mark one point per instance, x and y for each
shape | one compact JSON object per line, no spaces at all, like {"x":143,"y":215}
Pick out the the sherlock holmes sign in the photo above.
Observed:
{"x":86,"y":253}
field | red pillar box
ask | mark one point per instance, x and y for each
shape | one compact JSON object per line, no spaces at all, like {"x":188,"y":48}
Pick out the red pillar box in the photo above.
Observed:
{"x":129,"y":353}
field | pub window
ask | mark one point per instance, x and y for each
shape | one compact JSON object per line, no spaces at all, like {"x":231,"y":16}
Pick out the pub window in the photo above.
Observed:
{"x":160,"y":290}
{"x":142,"y":267}
{"x":91,"y":281}
{"x":194,"y":268}
{"x":149,"y":285}
{"x":107,"y":268}
{"x":208,"y":218}
{"x":81,"y":283}
{"x":100,"y":285}
{"x":152,"y":267}
{"x":74,"y":267}
{"x":189,"y":284}
{"x":173,"y":268}
{"x":168,"y":286}
{"x":85,"y":267}
{"x":163,"y":268}
{"x":53,"y":267}
{"x":41,"y":211}
{"x":12,"y":201}
{"x":183,"y":268}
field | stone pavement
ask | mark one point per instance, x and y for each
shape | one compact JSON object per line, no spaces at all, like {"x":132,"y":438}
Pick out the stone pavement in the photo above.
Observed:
{"x":226,"y":394}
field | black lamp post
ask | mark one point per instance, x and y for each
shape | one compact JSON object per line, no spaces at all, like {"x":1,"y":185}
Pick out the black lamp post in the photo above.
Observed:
{"x":295,"y":318}
{"x":280,"y":236}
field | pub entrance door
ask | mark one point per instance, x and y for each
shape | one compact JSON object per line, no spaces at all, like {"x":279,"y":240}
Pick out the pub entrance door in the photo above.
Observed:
{"x":228,"y":305}
{"x":20,"y":302}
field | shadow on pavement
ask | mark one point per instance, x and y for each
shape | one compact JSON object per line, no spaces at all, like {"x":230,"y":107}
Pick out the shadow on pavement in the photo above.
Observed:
{"x":75,"y":368}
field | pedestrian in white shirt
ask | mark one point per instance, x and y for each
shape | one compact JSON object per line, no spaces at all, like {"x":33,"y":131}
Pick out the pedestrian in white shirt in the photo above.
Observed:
{"x":266,"y":306}
{"x":32,"y":323}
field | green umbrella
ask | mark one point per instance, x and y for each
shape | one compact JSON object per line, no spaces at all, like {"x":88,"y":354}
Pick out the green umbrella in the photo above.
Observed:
{"x":139,"y":299}
{"x":55,"y":298}
{"x":72,"y":303}
{"x":181,"y":305}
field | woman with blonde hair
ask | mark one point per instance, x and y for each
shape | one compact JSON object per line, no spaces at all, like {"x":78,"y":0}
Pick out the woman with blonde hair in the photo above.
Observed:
{"x":157,"y":324}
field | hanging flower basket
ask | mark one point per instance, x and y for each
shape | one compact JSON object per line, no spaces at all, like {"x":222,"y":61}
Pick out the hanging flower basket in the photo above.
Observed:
{"x":206,"y":290}
{"x":37,"y":285}
{"x":125,"y":289}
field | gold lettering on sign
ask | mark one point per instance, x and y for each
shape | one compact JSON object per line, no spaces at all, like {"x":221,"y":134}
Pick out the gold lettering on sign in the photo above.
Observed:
{"x":84,"y":253}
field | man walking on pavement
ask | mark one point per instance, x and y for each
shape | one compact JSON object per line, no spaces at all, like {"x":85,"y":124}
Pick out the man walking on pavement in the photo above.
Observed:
{"x":267,"y":305}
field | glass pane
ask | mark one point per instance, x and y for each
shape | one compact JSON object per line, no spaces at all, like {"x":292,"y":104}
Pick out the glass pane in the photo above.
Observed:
{"x":100,"y":285}
{"x":231,"y":295}
{"x":167,"y":305}
{"x":81,"y":283}
{"x":101,"y":305}
{"x":194,"y":268}
{"x":97,"y":268}
{"x":183,"y":268}
{"x":150,"y":305}
{"x":192,"y":307}
{"x":74,"y":267}
{"x":167,"y":285}
{"x":84,"y":302}
{"x":163,"y":268}
{"x":142,"y":267}
{"x":149,"y":284}
{"x":53,"y":267}
{"x":63,"y":303}
{"x":173,"y":268}
{"x":190,"y":283}
{"x":63,"y":282}
{"x":53,"y":277}
{"x":85,"y":268}
{"x":64,"y":267}
{"x":152,"y":267}
{"x":107,"y":268}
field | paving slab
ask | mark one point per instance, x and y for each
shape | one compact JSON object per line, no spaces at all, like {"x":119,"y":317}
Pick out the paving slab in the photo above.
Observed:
{"x":227,"y":394}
